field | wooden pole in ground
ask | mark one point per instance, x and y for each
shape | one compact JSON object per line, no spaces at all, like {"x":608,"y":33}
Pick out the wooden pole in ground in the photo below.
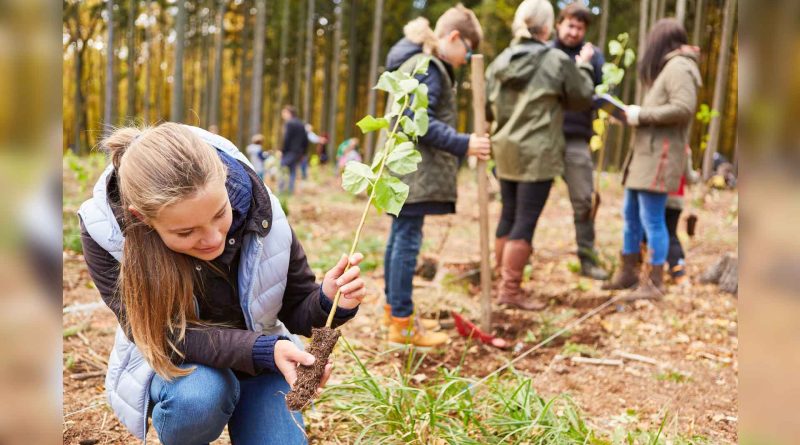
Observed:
{"x":479,"y":115}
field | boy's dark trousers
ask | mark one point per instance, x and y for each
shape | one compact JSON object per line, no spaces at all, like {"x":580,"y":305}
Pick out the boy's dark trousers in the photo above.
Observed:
{"x":400,"y":262}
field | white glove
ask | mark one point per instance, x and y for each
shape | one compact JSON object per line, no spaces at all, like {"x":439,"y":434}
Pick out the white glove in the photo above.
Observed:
{"x":632,"y":113}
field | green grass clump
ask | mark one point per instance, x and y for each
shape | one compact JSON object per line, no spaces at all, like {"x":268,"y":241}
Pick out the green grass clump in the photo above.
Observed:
{"x":408,"y":407}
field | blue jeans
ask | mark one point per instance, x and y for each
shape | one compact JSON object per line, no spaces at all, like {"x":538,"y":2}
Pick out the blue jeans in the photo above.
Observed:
{"x":292,"y":178}
{"x":644,"y":212}
{"x":194,"y":409}
{"x":400,"y":262}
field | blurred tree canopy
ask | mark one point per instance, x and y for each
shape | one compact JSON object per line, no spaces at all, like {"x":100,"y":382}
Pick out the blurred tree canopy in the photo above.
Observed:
{"x":144,"y":65}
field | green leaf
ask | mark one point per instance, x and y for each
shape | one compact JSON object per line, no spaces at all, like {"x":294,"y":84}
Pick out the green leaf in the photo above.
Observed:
{"x":599,"y":127}
{"x":422,"y":66}
{"x":403,"y":159}
{"x":401,"y":137}
{"x":421,"y":121}
{"x":408,"y":86}
{"x":357,"y":177}
{"x":369,"y":123}
{"x":623,"y":38}
{"x":420,"y":97}
{"x":596,"y":143}
{"x":630,"y":56}
{"x":376,"y":161}
{"x":394,"y":111}
{"x":390,"y":195}
{"x":601,"y":89}
{"x":388,"y":82}
{"x":614,"y":48}
{"x":409,"y":127}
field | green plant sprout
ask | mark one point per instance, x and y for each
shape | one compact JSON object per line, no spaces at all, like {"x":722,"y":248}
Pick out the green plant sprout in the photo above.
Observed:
{"x":387,"y":193}
{"x":613,"y":74}
{"x":704,"y":116}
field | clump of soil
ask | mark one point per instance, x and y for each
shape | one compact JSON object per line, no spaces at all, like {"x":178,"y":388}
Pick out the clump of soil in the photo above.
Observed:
{"x":308,"y":377}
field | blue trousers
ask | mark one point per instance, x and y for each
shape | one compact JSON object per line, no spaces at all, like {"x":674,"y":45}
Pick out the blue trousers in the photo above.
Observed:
{"x":644,"y":213}
{"x":283,"y":185}
{"x":194,"y":409}
{"x":400,"y":262}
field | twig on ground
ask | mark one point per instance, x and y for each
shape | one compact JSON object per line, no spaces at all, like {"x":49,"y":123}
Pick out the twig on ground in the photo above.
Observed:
{"x":597,"y":361}
{"x":635,"y":357}
{"x":87,"y":375}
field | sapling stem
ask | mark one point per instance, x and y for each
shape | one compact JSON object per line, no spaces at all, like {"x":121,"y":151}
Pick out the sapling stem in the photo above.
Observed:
{"x":384,"y":155}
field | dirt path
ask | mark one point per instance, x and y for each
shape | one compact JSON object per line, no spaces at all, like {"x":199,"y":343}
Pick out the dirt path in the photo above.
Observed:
{"x":691,"y":335}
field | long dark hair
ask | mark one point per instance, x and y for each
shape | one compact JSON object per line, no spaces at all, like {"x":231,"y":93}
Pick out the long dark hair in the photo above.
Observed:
{"x":666,"y":36}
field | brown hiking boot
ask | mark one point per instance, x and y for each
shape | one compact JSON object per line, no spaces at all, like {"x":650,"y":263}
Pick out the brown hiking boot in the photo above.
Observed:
{"x":627,"y":275}
{"x":651,"y":286}
{"x":404,"y":332}
{"x":499,"y":246}
{"x":427,"y":323}
{"x":515,"y":256}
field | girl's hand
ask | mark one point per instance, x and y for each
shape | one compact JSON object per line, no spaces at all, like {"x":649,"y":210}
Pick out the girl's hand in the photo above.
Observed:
{"x":288,"y":356}
{"x":350,"y":282}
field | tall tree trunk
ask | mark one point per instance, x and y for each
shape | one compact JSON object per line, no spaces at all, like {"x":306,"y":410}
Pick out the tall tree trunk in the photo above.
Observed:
{"x":298,"y":64}
{"x":377,"y":26}
{"x":242,"y":122}
{"x":643,"y":8}
{"x":653,"y":13}
{"x":307,"y":112}
{"x":662,"y":9}
{"x":162,"y":62}
{"x":352,"y":71}
{"x":680,"y":11}
{"x":110,"y":88}
{"x":720,"y":84}
{"x":603,"y":32}
{"x":698,"y":22}
{"x":130,"y":109}
{"x":79,"y":123}
{"x":176,"y":105}
{"x":334,"y":97}
{"x":258,"y":68}
{"x":203,"y":77}
{"x":216,"y":84}
{"x":148,"y":56}
{"x":279,"y":97}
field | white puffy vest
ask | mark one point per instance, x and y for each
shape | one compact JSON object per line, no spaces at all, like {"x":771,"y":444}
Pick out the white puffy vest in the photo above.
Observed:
{"x":262,"y":280}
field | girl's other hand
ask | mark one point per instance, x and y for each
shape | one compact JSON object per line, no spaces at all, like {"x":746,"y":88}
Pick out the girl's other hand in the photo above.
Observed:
{"x":350,"y":283}
{"x":288,"y":357}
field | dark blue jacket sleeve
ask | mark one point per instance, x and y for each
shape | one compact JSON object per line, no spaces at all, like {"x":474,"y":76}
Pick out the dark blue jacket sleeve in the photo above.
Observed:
{"x":440,"y":135}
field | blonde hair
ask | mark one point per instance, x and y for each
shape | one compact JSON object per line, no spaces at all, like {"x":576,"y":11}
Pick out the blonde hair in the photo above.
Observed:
{"x":458,"y":18}
{"x":157,"y":167}
{"x":533,"y":18}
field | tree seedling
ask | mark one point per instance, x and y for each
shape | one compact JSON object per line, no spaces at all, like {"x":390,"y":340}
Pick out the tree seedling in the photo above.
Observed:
{"x":408,"y":119}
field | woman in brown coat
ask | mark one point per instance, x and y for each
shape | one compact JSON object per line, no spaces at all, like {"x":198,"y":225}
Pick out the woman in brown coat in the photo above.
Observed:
{"x":653,"y":168}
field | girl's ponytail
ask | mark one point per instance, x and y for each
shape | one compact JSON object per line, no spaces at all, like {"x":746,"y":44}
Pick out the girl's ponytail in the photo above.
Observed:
{"x":117,"y":143}
{"x":419,"y":31}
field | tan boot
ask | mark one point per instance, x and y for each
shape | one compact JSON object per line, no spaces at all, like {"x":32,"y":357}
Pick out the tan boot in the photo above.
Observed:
{"x":427,"y":323}
{"x":651,"y":286}
{"x":515,"y":256}
{"x":403,"y":332}
{"x":627,"y":275}
{"x":499,"y":246}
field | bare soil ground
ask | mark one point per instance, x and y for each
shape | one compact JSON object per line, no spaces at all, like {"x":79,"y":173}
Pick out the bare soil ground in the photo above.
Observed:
{"x":691,"y":335}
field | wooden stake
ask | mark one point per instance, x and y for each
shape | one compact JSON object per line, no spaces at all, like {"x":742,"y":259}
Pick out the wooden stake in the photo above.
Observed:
{"x":480,"y":128}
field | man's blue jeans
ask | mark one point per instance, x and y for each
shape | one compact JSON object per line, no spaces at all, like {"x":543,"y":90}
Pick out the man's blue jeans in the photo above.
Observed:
{"x":644,"y":212}
{"x":194,"y":409}
{"x":400,"y":262}
{"x":283,"y":185}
